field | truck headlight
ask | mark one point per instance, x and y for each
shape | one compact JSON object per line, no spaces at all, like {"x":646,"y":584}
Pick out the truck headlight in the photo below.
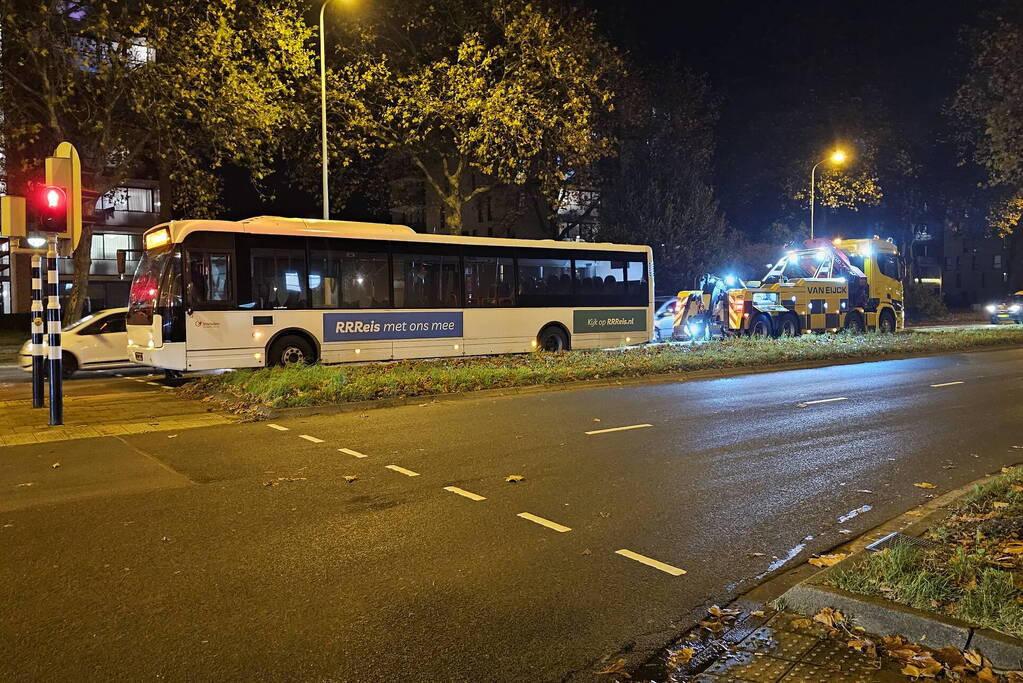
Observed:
{"x":991,"y":308}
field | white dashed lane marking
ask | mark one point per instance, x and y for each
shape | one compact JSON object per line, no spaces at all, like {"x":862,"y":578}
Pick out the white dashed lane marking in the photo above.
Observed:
{"x":310,"y":438}
{"x":821,"y":400}
{"x":544,"y":522}
{"x":466,"y":494}
{"x":402,"y":470}
{"x":946,"y":384}
{"x":279,"y":428}
{"x":349,"y":451}
{"x":618,"y":429}
{"x":650,"y":562}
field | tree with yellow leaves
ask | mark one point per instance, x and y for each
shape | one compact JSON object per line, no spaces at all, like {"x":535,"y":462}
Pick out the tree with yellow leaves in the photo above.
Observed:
{"x":169,"y":87}
{"x":512,"y":90}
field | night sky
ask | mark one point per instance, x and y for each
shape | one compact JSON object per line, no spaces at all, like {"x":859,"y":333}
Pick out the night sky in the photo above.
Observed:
{"x":789,"y":74}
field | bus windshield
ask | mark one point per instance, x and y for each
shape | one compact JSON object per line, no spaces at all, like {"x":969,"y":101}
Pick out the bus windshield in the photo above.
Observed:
{"x":146,"y":286}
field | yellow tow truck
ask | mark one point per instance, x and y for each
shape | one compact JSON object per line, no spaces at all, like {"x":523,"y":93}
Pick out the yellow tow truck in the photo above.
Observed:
{"x":853,"y":285}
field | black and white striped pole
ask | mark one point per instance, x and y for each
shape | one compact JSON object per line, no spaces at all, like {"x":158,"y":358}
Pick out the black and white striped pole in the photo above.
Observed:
{"x":38,"y":274}
{"x":53,"y":335}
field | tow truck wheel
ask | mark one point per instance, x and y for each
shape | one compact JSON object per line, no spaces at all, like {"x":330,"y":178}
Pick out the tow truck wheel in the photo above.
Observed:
{"x":854,"y":323}
{"x":759,"y":326}
{"x":886,"y":322}
{"x":788,"y":326}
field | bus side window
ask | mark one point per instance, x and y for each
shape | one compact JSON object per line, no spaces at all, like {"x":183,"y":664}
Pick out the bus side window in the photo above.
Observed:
{"x":209,"y":278}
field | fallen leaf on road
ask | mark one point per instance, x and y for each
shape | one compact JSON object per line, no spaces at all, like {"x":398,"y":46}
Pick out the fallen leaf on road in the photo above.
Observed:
{"x":616,"y":668}
{"x":279,"y":480}
{"x":165,"y":539}
{"x":713,"y":626}
{"x":723,"y":613}
{"x":55,"y":465}
{"x":829,"y":617}
{"x":173,"y":436}
{"x":863,"y":491}
{"x":28,"y":483}
{"x":756,"y":554}
{"x":757,"y":613}
{"x":867,"y":647}
{"x":827,"y":560}
{"x":800,"y":623}
{"x":681,"y":657}
{"x":514,"y":478}
{"x":915,"y":513}
{"x":596,"y":419}
{"x":349,"y":478}
{"x":925,"y":485}
{"x":586,"y":552}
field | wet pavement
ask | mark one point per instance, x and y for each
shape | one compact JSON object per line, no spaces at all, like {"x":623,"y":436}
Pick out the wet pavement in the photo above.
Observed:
{"x":369,"y":546}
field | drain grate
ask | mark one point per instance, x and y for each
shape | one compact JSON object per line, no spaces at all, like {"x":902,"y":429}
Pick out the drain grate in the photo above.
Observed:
{"x":894,"y":539}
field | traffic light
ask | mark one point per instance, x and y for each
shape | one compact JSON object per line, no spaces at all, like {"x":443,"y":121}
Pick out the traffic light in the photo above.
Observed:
{"x":51,"y":210}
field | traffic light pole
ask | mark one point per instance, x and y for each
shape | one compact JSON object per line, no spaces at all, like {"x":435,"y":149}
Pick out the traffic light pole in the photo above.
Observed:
{"x":38,"y":273}
{"x":53,"y":336}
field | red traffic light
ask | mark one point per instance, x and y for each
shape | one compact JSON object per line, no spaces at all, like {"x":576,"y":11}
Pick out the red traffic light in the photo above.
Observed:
{"x":54,"y":197}
{"x":51,"y":209}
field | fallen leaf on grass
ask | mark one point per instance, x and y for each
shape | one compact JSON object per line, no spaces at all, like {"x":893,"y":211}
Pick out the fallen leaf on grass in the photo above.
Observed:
{"x":986,"y":675}
{"x":925,"y":485}
{"x":1013,"y":548}
{"x":1017,"y":488}
{"x":514,"y":478}
{"x":616,"y":668}
{"x":827,"y":560}
{"x":998,"y":504}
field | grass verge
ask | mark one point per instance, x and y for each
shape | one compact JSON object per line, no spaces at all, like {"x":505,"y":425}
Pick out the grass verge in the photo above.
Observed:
{"x":975,"y":572}
{"x":324,"y":384}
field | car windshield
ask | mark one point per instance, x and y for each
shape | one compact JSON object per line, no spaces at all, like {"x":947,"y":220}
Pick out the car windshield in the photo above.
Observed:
{"x":82,"y":321}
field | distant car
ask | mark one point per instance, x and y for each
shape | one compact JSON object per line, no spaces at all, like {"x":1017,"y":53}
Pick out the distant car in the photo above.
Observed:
{"x":664,"y":317}
{"x":1008,"y":311}
{"x":96,"y":342}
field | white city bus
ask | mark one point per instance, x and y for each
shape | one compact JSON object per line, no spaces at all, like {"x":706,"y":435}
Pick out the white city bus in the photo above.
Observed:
{"x":272,"y":291}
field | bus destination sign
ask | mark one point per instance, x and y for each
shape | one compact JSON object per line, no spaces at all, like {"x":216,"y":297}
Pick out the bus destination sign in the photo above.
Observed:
{"x":367,"y":326}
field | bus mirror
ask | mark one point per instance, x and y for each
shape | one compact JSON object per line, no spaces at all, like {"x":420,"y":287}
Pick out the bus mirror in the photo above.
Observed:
{"x":122,"y":261}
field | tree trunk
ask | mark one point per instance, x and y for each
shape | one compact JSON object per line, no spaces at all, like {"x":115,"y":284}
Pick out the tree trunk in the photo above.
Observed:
{"x":81,"y":259}
{"x":453,"y":214}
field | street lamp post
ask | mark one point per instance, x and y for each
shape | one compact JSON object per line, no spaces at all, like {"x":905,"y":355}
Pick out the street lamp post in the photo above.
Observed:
{"x":323,"y":114}
{"x":837,"y":157}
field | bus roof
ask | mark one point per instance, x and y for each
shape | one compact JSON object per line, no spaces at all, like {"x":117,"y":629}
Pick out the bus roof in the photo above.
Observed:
{"x":275,"y":225}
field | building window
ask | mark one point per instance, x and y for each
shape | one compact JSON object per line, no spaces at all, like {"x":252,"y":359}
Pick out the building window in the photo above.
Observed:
{"x":134,"y":199}
{"x":997,"y":262}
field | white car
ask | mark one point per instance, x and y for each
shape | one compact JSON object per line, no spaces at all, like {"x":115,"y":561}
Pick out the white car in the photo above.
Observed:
{"x":96,"y":342}
{"x":664,"y":317}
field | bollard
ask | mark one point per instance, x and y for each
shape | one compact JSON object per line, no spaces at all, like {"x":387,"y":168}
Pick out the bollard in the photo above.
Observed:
{"x":38,"y":271}
{"x":53,"y":336}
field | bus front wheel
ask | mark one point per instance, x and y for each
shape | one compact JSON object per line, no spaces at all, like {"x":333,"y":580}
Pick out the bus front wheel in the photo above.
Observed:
{"x":290,"y":350}
{"x":552,"y":338}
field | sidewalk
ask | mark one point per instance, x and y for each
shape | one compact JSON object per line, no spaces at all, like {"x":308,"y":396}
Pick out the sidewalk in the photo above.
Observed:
{"x":101,"y":406}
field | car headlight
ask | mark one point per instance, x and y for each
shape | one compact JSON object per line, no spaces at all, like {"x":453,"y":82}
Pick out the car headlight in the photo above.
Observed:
{"x":1014,"y":308}
{"x":991,"y":308}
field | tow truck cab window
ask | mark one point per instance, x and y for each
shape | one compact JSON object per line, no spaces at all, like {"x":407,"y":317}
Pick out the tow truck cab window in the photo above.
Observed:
{"x":888,"y":264}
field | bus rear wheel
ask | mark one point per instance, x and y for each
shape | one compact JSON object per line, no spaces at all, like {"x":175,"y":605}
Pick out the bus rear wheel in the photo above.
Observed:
{"x":552,"y":338}
{"x":290,"y":349}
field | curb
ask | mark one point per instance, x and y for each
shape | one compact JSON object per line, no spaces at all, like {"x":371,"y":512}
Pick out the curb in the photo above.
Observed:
{"x":883,"y":617}
{"x":269,"y":413}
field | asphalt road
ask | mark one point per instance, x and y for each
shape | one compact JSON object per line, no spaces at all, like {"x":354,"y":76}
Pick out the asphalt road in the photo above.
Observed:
{"x":211,"y":574}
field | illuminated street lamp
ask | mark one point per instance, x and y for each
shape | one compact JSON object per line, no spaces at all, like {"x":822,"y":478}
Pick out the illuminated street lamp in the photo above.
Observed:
{"x":837,"y":158}
{"x":323,"y":112}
